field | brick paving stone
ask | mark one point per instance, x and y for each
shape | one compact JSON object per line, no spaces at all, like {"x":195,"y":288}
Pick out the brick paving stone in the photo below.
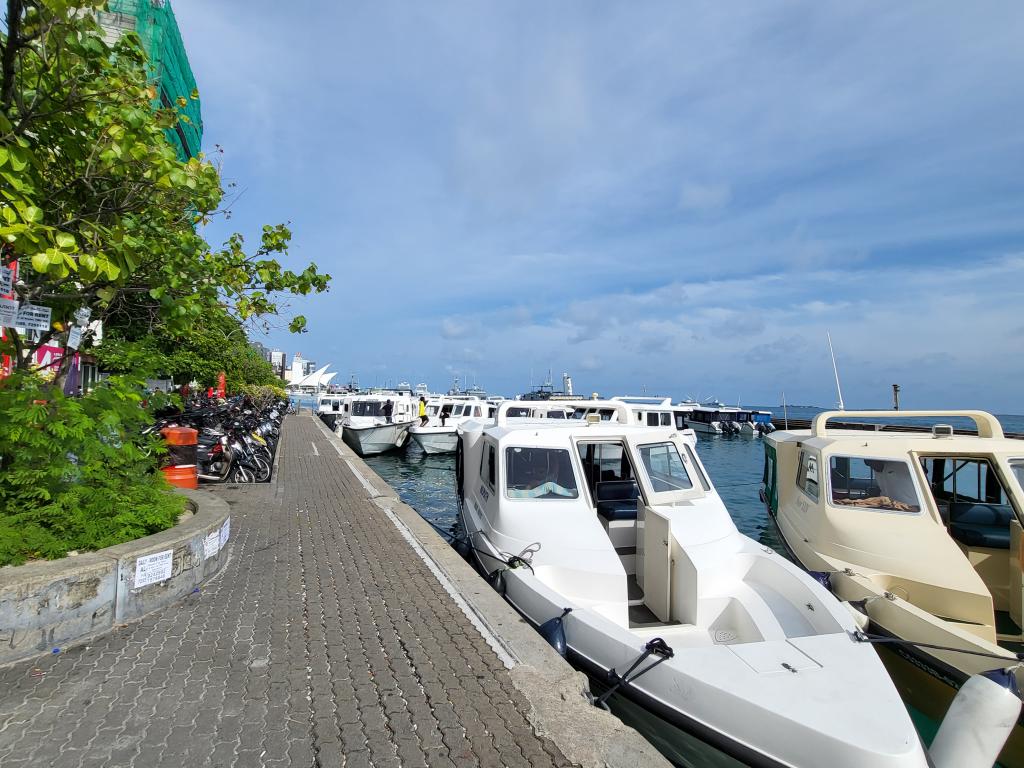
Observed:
{"x":325,"y":641}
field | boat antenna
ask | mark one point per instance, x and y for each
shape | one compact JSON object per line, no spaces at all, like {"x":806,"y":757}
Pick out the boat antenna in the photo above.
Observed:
{"x":785,"y":411}
{"x":835,"y":370}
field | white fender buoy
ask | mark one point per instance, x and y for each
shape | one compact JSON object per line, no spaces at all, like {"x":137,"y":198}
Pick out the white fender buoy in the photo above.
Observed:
{"x":978,"y":723}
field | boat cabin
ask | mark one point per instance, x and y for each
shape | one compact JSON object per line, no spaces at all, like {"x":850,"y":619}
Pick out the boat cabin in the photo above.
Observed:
{"x":934,"y":518}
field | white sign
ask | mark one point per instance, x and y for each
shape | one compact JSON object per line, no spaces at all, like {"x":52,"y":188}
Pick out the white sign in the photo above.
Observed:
{"x":82,"y":316}
{"x":74,"y":337}
{"x":6,"y":280}
{"x":8,"y":312}
{"x":33,"y":318}
{"x":153,"y":568}
{"x":225,"y":532}
{"x":211,"y":545}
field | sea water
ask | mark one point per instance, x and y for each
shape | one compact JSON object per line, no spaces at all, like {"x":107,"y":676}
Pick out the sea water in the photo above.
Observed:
{"x":735,"y":465}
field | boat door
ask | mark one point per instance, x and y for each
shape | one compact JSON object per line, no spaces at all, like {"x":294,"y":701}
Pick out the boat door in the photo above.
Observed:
{"x":769,"y":481}
{"x":655,"y":555}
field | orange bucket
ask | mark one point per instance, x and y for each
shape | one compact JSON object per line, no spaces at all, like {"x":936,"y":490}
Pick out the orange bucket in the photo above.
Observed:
{"x":182,"y":475}
{"x":180,"y":435}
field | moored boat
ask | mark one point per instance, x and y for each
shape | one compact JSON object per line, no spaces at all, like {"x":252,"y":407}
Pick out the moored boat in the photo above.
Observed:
{"x":366,"y":427}
{"x":619,"y":523}
{"x":444,"y":415}
{"x":922,"y":532}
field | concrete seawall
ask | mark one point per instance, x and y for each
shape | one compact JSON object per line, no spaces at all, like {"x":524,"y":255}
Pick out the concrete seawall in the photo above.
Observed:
{"x":48,"y":605}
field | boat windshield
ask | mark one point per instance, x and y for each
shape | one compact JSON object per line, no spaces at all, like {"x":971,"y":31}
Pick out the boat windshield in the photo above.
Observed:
{"x":539,"y":473}
{"x":665,"y":468}
{"x":367,"y":408}
{"x":883,"y":484}
{"x":1017,"y":467}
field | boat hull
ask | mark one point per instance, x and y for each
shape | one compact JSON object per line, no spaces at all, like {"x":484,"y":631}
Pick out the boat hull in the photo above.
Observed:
{"x":703,"y":694}
{"x":435,"y":439}
{"x":713,"y":428}
{"x":372,"y":440}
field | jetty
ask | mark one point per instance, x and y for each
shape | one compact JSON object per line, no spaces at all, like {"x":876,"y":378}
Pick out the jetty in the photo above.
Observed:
{"x":342,"y":630}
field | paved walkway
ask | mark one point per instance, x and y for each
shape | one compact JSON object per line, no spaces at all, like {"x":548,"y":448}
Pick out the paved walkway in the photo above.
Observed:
{"x":325,"y":641}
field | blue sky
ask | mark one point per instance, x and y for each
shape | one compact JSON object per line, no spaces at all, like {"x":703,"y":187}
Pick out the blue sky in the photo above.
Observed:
{"x":676,"y":197}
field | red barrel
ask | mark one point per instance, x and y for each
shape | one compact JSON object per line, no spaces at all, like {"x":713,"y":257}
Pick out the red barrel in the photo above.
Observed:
{"x":181,"y":454}
{"x":182,"y":475}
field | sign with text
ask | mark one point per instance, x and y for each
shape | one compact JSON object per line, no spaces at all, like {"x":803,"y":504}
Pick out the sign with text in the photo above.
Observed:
{"x":225,"y":532}
{"x":82,"y":316}
{"x":32,"y":317}
{"x":8,"y":312}
{"x":48,"y":356}
{"x":211,"y":545}
{"x":74,"y":337}
{"x":153,"y":568}
{"x":6,"y":280}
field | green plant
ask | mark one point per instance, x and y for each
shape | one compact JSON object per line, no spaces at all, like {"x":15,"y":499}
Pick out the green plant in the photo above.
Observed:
{"x":77,"y":473}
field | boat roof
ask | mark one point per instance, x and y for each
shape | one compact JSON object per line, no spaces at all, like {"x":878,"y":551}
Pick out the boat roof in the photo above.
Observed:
{"x":989,"y":437}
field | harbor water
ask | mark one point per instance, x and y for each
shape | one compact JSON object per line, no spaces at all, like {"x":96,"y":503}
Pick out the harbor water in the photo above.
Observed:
{"x":735,"y":465}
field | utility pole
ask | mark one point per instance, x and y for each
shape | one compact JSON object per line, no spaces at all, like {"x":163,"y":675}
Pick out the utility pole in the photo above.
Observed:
{"x":895,"y":397}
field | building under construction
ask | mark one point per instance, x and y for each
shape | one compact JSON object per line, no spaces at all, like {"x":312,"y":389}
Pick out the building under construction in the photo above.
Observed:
{"x":153,"y":21}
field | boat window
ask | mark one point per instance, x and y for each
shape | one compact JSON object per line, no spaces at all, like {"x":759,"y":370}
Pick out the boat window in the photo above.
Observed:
{"x":665,"y":468}
{"x":666,"y":419}
{"x":807,"y":474}
{"x":477,"y":411}
{"x":873,"y":484}
{"x":492,"y":412}
{"x":680,"y":421}
{"x":652,"y":419}
{"x":1017,"y":467}
{"x":556,"y":414}
{"x":606,"y":414}
{"x":366,"y":408}
{"x":487,"y":465}
{"x":539,"y":473}
{"x":606,"y":463}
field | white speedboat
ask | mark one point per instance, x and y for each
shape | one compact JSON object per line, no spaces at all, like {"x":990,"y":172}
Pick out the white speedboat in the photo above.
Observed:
{"x":444,"y":415}
{"x":720,"y":636}
{"x":366,"y":427}
{"x":655,"y":411}
{"x":720,"y":419}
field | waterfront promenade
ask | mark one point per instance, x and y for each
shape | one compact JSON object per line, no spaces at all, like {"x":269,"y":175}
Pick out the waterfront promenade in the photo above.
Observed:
{"x":325,"y":641}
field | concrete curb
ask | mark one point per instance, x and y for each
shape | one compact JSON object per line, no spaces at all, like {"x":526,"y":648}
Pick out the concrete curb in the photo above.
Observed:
{"x":557,"y":693}
{"x":50,"y":605}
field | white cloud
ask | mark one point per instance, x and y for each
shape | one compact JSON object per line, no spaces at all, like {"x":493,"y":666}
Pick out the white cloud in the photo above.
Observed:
{"x":704,"y":198}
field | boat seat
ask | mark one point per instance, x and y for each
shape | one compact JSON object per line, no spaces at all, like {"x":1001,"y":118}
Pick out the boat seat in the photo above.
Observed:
{"x":616,"y":499}
{"x":980,"y":525}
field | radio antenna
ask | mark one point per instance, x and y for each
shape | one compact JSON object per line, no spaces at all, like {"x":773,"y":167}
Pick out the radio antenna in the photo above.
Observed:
{"x":835,"y":370}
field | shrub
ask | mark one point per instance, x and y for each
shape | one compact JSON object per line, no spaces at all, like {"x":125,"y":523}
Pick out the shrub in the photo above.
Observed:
{"x":77,"y":473}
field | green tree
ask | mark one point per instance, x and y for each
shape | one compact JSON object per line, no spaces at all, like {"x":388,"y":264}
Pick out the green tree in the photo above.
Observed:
{"x":97,"y":208}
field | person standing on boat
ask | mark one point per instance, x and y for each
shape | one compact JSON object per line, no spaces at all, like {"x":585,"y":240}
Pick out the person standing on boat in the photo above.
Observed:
{"x":387,"y":410}
{"x":423,"y":411}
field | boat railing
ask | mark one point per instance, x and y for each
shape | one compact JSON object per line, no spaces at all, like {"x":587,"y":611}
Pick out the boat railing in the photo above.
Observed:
{"x":623,"y":412}
{"x":987,"y":424}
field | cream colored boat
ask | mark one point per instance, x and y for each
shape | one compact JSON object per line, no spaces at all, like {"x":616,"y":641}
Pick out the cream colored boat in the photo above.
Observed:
{"x":920,"y":531}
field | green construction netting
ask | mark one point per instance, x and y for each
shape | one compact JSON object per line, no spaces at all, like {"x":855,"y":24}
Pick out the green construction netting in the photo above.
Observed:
{"x":156,"y":26}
